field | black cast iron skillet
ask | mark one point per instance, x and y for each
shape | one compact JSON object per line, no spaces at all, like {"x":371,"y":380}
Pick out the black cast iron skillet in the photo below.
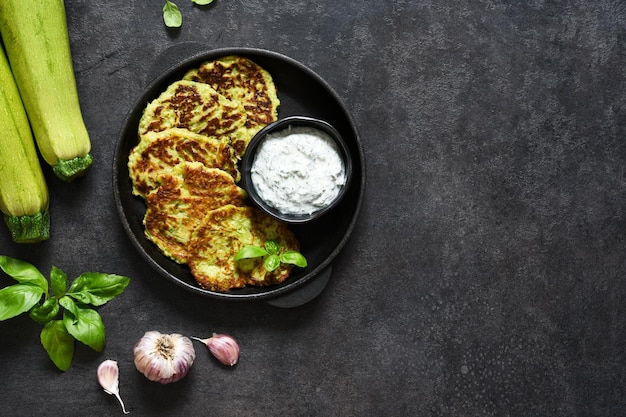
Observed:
{"x":301,"y":92}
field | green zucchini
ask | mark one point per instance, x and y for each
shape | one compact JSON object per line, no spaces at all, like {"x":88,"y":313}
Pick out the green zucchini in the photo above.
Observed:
{"x":23,"y":189}
{"x":37,"y":45}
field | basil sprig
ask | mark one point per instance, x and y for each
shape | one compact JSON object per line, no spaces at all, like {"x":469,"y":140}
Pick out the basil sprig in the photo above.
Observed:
{"x":64,"y":312}
{"x":272,"y":254}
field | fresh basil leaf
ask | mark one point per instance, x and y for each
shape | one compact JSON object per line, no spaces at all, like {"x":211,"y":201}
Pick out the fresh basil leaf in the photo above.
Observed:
{"x":171,"y":15}
{"x":250,"y":252}
{"x":43,"y":313}
{"x":17,"y":299}
{"x":23,"y":272}
{"x":271,"y":263}
{"x":86,"y":327}
{"x":272,"y":247}
{"x":293,"y":257}
{"x":202,"y":2}
{"x":69,"y":305}
{"x":58,"y":343}
{"x":58,"y":281}
{"x":97,"y":289}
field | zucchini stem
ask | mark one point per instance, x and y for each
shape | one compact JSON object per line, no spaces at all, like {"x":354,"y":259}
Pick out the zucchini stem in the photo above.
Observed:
{"x":70,"y":169}
{"x":29,"y":228}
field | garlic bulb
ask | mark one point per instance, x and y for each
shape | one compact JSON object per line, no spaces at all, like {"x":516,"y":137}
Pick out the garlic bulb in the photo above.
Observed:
{"x":164,"y":358}
{"x":108,"y":374}
{"x":223,"y":347}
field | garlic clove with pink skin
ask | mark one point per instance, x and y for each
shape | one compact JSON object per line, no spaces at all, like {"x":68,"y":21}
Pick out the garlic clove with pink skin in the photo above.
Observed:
{"x":164,"y":358}
{"x":224,"y":347}
{"x":108,"y":378}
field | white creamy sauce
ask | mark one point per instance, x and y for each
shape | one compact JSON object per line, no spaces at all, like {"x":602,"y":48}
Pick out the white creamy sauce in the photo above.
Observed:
{"x":298,"y":170}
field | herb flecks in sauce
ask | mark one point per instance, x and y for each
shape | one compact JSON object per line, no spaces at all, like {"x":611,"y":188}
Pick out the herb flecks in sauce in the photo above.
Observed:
{"x":298,"y":170}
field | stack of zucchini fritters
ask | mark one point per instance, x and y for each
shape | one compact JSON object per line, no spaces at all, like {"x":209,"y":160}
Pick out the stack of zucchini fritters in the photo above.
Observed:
{"x":185,"y":166}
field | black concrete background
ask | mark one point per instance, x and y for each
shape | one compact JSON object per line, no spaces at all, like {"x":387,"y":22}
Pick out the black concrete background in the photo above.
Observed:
{"x":485,"y":276}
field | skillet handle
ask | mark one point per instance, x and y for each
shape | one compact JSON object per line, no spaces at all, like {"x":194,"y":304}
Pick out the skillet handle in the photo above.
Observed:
{"x":305,"y":293}
{"x":171,"y":57}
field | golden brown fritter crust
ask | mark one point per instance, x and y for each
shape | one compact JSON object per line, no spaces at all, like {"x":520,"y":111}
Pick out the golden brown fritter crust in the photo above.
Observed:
{"x":158,"y":152}
{"x":180,"y":202}
{"x":196,"y":107}
{"x":242,"y":80}
{"x":222,"y":233}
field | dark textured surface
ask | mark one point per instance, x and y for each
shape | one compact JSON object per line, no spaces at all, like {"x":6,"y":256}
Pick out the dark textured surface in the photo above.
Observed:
{"x":485,"y":276}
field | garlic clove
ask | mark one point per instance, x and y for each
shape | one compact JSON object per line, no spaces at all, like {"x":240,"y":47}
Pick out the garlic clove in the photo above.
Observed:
{"x":224,"y":347}
{"x":108,"y":378}
{"x":164,"y":358}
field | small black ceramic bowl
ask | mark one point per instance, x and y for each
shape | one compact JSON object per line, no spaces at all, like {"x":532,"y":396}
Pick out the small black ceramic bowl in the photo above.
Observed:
{"x":281,"y":125}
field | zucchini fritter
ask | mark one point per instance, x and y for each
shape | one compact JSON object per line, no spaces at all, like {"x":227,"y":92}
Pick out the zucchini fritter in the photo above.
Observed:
{"x":196,"y":107}
{"x":242,"y":80}
{"x":158,"y":152}
{"x":222,"y":233}
{"x":184,"y":196}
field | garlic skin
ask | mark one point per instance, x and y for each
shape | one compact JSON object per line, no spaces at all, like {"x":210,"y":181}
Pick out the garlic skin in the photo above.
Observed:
{"x":108,"y":378}
{"x":164,"y":358}
{"x":224,"y":347}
